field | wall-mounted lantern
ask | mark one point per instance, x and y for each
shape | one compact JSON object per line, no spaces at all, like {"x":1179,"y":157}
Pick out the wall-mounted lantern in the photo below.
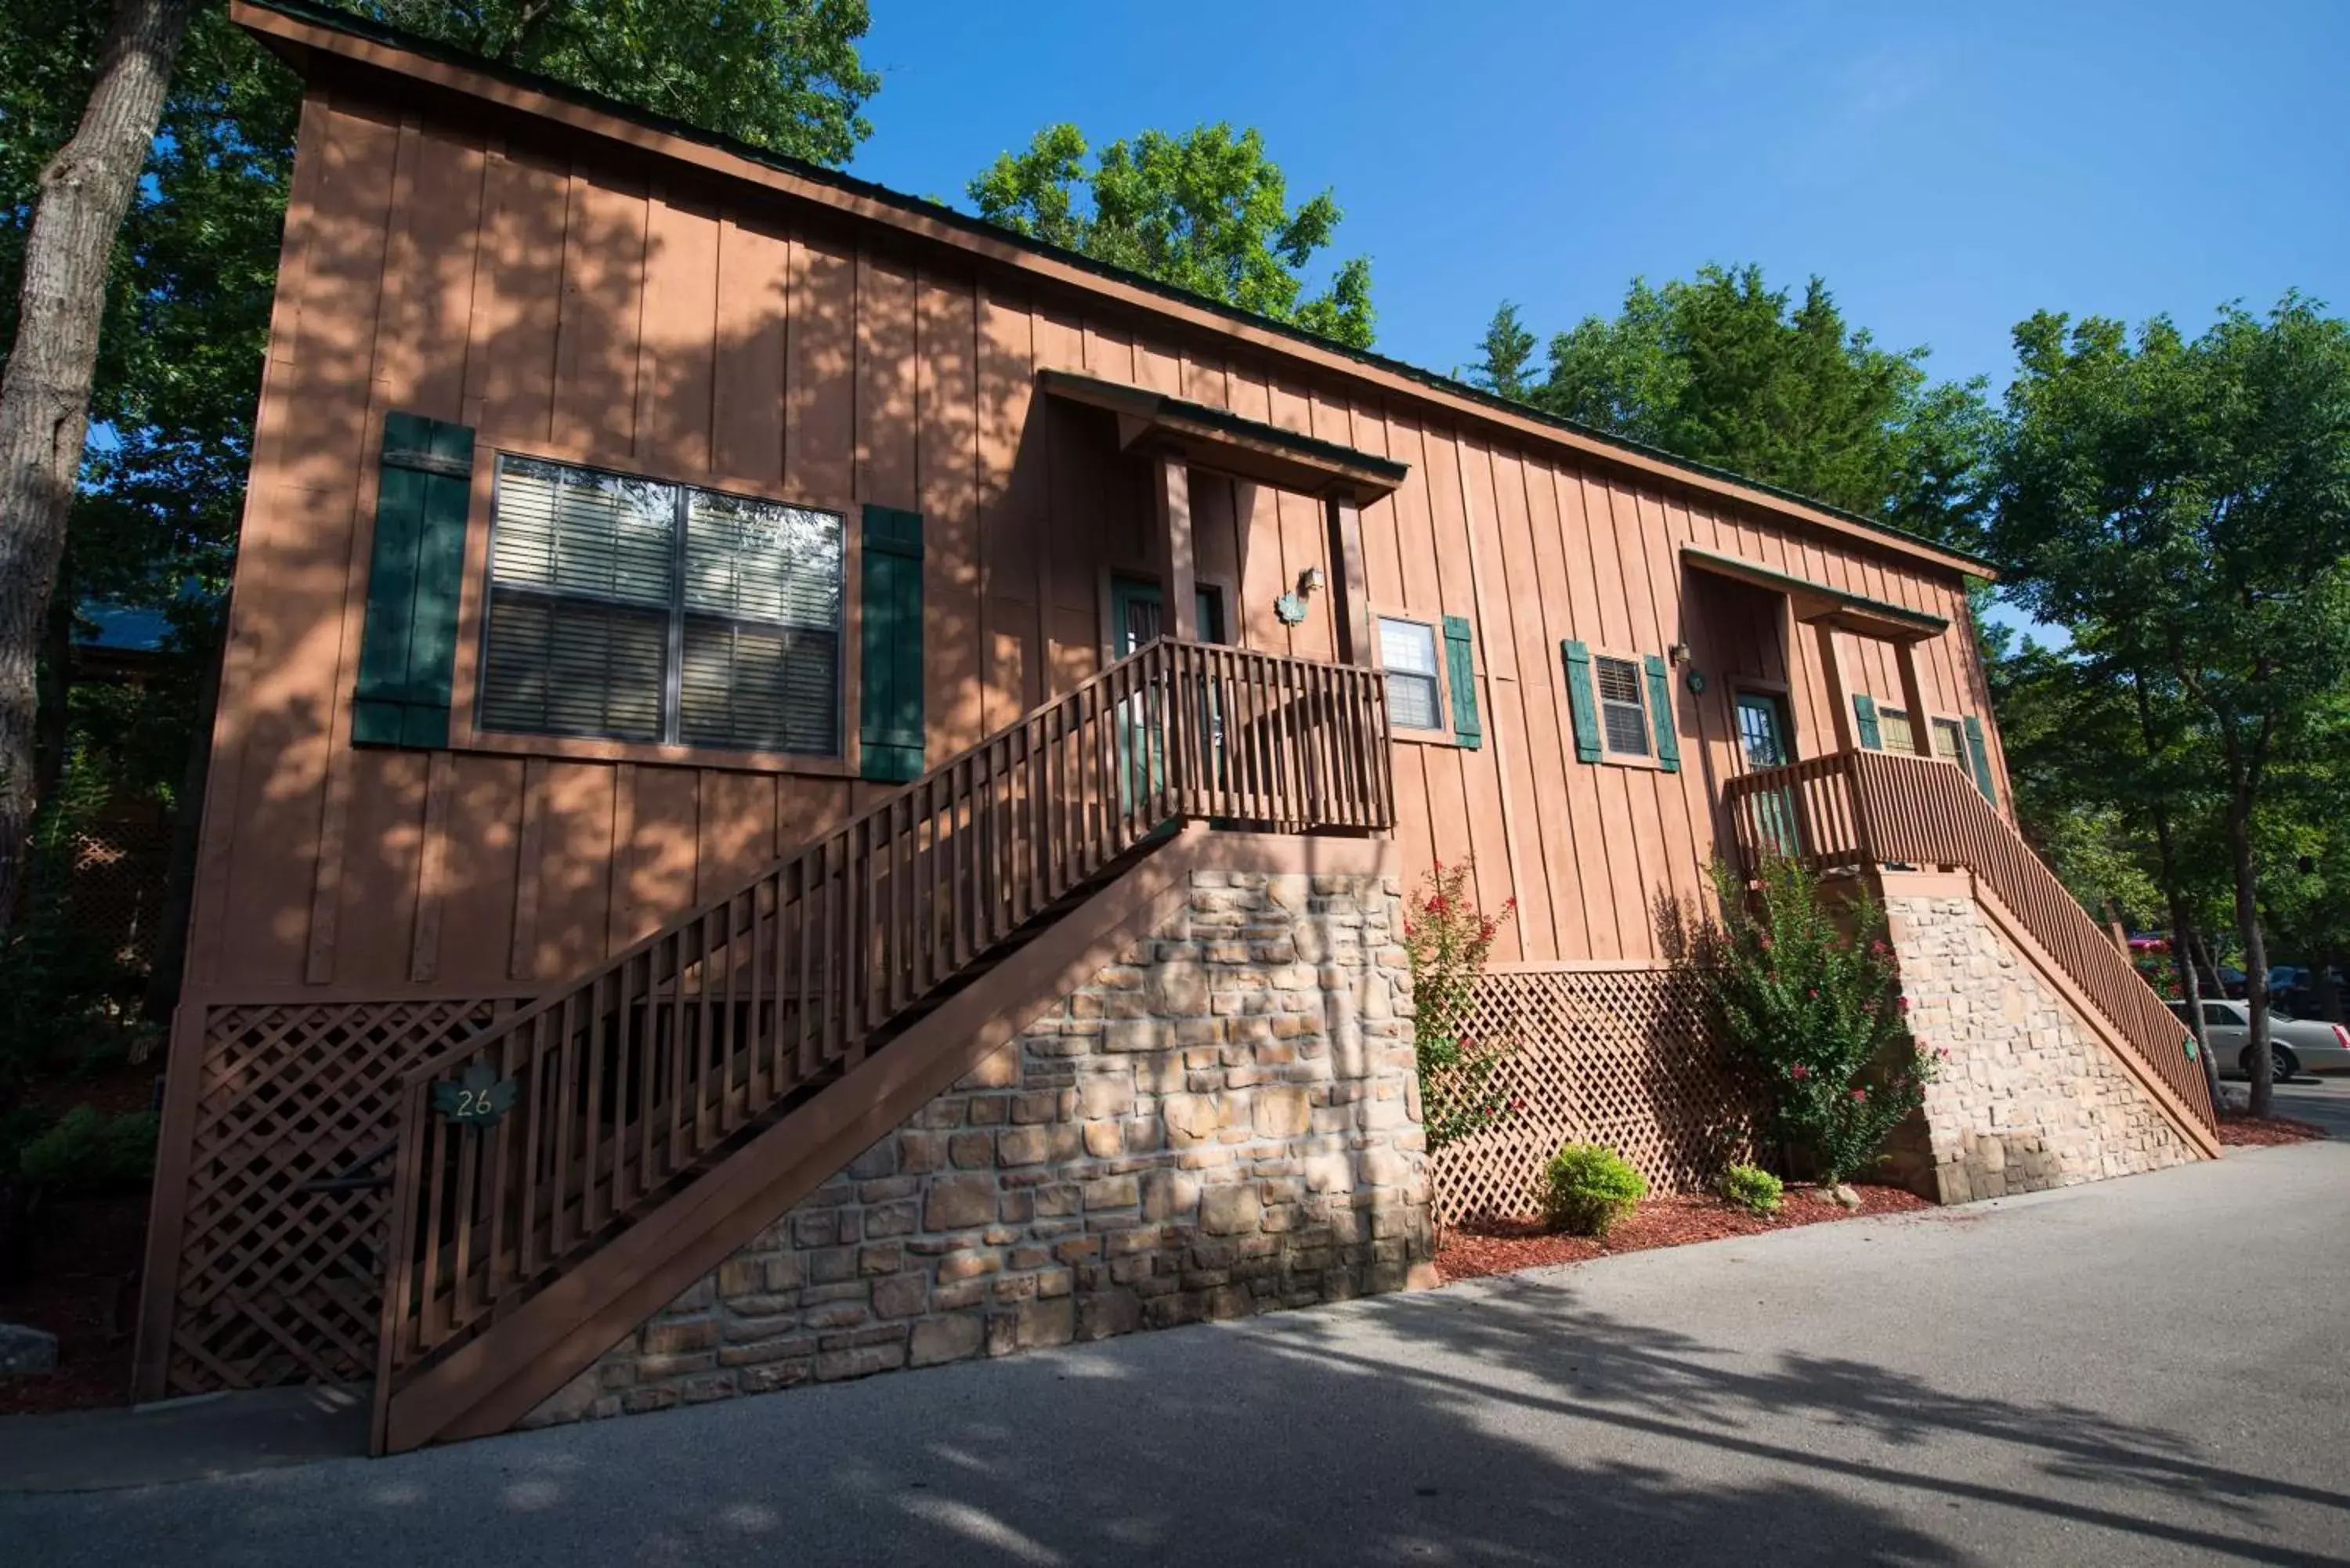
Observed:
{"x":1291,"y":605}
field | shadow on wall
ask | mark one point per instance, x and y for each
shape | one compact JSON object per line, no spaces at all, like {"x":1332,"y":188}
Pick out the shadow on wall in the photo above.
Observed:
{"x":1488,"y":1424}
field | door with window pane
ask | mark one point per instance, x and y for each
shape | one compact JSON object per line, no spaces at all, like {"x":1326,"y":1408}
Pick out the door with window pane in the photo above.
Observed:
{"x":1762,"y":732}
{"x":1138,"y":613}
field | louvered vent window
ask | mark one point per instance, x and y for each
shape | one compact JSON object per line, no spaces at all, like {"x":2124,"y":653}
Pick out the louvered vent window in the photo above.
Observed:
{"x":1893,"y":729}
{"x":636,"y":610}
{"x":1622,"y":711}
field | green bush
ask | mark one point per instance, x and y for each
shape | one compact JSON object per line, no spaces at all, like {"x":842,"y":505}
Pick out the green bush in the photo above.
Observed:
{"x":1752,"y":1188}
{"x":1587,"y":1187}
{"x":1448,"y":939}
{"x":89,"y":1154}
{"x":1818,"y":1010}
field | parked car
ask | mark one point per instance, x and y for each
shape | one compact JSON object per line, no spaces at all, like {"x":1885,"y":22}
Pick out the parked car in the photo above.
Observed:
{"x":2295,"y":1043}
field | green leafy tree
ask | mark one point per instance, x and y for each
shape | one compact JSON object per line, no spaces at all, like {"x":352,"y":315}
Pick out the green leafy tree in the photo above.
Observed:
{"x":1507,"y":355}
{"x":1206,"y":211}
{"x":781,"y":74}
{"x":1723,"y":369}
{"x":1814,"y":1000}
{"x":2185,"y":507}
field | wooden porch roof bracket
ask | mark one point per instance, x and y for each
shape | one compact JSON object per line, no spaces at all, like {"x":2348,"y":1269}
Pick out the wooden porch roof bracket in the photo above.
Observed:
{"x":1214,"y":438}
{"x":1817,"y":604}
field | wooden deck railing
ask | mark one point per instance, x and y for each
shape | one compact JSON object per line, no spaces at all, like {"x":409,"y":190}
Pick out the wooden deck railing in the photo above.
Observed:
{"x":1866,"y":808}
{"x":616,"y":1086}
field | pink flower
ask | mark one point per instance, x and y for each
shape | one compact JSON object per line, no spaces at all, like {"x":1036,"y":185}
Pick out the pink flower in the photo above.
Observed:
{"x":1879,"y":949}
{"x":1903,"y":1003}
{"x":1799,"y":1072}
{"x":1814,"y":994}
{"x":1435,"y":905}
{"x":1766,"y":944}
{"x":1860,"y":1094}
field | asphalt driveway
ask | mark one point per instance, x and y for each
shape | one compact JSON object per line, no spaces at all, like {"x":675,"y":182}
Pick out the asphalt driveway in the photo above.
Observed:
{"x":2141,"y":1371}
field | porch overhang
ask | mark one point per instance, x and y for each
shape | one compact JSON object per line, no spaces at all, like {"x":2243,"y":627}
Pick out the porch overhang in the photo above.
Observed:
{"x":1817,"y":604}
{"x":1228,"y":443}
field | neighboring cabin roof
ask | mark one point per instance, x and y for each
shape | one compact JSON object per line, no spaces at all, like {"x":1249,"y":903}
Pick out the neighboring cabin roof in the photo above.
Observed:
{"x":291,"y":27}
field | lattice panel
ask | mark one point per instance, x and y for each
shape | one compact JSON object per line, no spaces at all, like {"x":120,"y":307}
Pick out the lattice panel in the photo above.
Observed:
{"x":1623,"y":1057}
{"x":276,"y":1285}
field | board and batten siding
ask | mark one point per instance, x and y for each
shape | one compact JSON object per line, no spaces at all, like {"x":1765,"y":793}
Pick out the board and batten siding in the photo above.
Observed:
{"x":622,"y":311}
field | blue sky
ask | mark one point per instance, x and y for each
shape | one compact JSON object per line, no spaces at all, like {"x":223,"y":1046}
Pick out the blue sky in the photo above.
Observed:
{"x":1946,"y":169}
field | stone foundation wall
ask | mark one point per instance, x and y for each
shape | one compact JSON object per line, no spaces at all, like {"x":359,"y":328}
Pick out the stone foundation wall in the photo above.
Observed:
{"x":1226,"y":1121}
{"x":2029,"y":1097}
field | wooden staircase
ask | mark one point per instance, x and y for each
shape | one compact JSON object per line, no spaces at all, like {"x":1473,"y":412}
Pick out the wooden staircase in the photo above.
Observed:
{"x":562,"y":1175}
{"x":1859,"y":810}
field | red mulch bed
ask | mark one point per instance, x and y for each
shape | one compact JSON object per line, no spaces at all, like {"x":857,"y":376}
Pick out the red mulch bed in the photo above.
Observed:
{"x":1501,"y":1247}
{"x":86,"y":1261}
{"x":2264,"y":1132}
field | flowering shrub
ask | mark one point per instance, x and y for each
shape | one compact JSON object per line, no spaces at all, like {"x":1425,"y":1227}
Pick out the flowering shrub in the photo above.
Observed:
{"x":1449,"y":939}
{"x":1587,"y":1187}
{"x":1819,"y":1011}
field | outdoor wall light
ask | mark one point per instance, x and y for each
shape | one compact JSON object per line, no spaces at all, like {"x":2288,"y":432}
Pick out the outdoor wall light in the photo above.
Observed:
{"x":1291,"y":605}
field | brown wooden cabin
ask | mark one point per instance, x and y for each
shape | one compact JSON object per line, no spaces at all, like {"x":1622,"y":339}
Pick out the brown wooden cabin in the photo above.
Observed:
{"x":690,"y":595}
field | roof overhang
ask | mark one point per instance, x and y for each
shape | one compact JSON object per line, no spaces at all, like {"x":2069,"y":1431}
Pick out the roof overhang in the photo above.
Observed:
{"x":1817,"y":604}
{"x":1248,"y":449}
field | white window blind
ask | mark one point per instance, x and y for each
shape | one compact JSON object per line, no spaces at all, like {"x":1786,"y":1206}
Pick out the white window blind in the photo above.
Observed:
{"x":1623,"y":711}
{"x":644,"y":611}
{"x":1407,"y":652}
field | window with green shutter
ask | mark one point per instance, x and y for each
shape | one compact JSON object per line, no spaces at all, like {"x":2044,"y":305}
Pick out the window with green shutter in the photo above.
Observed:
{"x":1660,"y":713}
{"x":1461,"y":669}
{"x":889,"y":706}
{"x":634,"y":609}
{"x":408,"y":646}
{"x":1865,"y":725}
{"x":1582,"y":707}
{"x":1979,"y":754}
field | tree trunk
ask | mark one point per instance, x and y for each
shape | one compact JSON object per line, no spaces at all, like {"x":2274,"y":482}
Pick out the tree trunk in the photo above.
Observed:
{"x":85,"y":192}
{"x":2183,"y":942}
{"x":52,"y":718}
{"x":2256,"y":955}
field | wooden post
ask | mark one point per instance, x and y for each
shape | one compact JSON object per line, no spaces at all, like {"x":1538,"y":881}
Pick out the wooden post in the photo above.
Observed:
{"x":1170,"y":495}
{"x":1839,"y":691}
{"x":1913,"y":695}
{"x":1351,"y":614}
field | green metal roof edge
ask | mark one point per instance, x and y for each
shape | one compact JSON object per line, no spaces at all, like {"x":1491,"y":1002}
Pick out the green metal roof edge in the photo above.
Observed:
{"x":341,"y":21}
{"x":1842,"y":595}
{"x":1241,"y":424}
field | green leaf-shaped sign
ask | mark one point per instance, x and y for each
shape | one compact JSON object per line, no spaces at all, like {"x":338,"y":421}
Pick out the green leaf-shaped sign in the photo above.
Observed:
{"x":478,"y":1099}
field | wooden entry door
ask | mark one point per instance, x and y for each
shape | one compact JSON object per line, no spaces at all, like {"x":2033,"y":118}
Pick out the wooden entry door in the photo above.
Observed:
{"x":1764,"y":742}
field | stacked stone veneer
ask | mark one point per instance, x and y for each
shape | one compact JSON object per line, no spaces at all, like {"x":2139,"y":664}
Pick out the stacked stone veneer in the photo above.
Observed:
{"x":2029,"y":1097}
{"x":1225,"y":1122}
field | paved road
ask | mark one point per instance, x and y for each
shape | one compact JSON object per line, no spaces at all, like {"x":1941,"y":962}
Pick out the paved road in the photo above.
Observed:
{"x":2143,"y":1371}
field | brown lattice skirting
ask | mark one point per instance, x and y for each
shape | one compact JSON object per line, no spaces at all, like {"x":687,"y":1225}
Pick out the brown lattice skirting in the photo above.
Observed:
{"x":1613,"y":1054}
{"x":271,"y":1284}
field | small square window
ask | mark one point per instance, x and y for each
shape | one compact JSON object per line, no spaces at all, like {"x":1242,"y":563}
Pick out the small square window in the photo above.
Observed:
{"x":1407,"y":653}
{"x":1623,"y":711}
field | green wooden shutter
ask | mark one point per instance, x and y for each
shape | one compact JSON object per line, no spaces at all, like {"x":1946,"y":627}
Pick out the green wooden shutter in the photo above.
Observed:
{"x":890,"y":726}
{"x":1460,"y":671}
{"x":1581,"y":705}
{"x":1661,"y":714}
{"x":1863,"y":714}
{"x":408,"y":649}
{"x":1980,"y":756}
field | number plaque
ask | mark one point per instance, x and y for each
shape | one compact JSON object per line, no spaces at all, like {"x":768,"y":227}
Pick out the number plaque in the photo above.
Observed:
{"x":478,"y":1099}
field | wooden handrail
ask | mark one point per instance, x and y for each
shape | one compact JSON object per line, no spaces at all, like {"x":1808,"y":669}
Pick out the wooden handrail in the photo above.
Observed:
{"x":1853,"y":809}
{"x":614,"y":1089}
